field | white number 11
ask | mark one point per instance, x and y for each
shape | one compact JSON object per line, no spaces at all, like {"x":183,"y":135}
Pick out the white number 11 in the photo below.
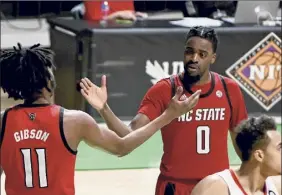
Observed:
{"x":42,"y":172}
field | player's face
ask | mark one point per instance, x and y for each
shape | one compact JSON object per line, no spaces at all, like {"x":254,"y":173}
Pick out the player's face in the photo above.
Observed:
{"x":198,"y":56}
{"x":271,"y":163}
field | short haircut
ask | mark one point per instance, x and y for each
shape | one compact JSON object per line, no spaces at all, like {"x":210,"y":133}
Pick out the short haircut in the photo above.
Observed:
{"x":252,"y":133}
{"x":205,"y":33}
{"x":25,"y":72}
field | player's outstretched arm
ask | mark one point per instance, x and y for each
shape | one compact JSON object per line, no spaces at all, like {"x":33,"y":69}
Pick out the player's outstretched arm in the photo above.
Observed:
{"x":108,"y":140}
{"x":97,"y":98}
{"x":212,"y":184}
{"x":104,"y":138}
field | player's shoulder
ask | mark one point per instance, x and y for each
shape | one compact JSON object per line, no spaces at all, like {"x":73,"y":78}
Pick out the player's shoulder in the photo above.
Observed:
{"x":161,"y":86}
{"x":212,"y":184}
{"x":213,"y":180}
{"x":4,"y":113}
{"x":230,"y":83}
{"x":165,"y":82}
{"x":78,"y":114}
{"x":77,"y":117}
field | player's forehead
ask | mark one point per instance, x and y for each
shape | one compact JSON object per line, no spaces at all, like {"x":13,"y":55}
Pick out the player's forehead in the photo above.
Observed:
{"x":199,"y":43}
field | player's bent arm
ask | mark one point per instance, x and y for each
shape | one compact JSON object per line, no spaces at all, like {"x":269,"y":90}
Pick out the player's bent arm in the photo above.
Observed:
{"x":152,"y":104}
{"x":138,"y":121}
{"x":118,"y":126}
{"x":113,"y":122}
{"x":108,"y":140}
{"x":211,"y":184}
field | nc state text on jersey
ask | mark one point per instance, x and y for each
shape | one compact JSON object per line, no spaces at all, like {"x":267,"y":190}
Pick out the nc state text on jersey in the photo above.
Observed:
{"x":31,"y":134}
{"x":204,"y":114}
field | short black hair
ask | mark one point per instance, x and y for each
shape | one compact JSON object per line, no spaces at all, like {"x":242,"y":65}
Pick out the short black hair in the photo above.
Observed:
{"x":205,"y":33}
{"x":25,"y":72}
{"x":252,"y":133}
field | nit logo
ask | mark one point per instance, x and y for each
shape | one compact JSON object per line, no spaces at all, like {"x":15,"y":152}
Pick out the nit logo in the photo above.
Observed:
{"x":259,"y":72}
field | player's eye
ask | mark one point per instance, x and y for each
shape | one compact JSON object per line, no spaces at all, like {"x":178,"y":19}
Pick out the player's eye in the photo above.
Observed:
{"x":203,"y":55}
{"x":189,"y":51}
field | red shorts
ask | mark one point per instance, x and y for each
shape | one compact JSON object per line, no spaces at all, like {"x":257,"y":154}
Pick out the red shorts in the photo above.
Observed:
{"x":167,"y":186}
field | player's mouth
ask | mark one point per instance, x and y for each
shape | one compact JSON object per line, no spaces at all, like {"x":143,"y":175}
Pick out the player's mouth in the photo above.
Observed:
{"x":192,"y":68}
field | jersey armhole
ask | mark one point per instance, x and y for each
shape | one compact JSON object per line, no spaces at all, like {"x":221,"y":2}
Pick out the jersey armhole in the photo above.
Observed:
{"x":222,"y":175}
{"x":61,"y":126}
{"x":3,"y":127}
{"x":228,"y":97}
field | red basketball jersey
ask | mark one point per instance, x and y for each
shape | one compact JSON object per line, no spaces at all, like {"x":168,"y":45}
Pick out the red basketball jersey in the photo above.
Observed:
{"x":34,"y":153}
{"x":195,"y":144}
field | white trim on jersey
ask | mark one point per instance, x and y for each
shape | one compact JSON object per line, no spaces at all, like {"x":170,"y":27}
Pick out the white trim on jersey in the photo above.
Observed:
{"x":231,"y":184}
{"x":271,"y":188}
{"x":234,"y":189}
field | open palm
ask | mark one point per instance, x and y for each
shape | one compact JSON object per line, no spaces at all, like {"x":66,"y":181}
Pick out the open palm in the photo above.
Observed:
{"x":96,"y":96}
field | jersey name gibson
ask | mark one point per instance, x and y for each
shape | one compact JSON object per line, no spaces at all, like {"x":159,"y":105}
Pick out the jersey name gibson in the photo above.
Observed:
{"x":31,"y":134}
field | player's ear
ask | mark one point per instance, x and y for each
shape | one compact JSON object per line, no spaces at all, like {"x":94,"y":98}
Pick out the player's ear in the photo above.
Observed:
{"x":258,"y":155}
{"x":213,"y":58}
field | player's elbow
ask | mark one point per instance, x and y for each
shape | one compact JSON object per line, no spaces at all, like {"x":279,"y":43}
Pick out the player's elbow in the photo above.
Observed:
{"x":122,"y":149}
{"x":123,"y":154}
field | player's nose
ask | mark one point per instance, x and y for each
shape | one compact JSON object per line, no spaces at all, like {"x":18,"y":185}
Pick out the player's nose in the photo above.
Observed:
{"x":195,"y":57}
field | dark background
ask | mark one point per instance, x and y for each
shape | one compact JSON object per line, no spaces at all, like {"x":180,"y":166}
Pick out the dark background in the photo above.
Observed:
{"x":121,"y":54}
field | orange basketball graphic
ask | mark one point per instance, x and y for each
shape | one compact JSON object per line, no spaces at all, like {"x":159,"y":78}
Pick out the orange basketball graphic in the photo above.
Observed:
{"x":259,"y":71}
{"x":269,"y":59}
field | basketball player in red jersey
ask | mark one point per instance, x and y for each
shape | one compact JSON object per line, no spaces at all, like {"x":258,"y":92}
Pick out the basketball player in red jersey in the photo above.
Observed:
{"x":39,"y":140}
{"x":195,"y":144}
{"x":260,"y":146}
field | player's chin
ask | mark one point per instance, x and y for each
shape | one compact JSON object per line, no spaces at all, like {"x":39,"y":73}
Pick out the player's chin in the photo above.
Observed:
{"x":277,"y":172}
{"x":273,"y":170}
{"x":193,"y":73}
{"x":280,"y":171}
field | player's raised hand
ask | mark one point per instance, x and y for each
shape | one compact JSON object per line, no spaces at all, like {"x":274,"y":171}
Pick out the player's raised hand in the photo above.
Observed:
{"x":180,"y":104}
{"x":96,"y":96}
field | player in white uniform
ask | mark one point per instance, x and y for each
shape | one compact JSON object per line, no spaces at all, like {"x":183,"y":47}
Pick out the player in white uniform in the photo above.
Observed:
{"x":260,"y":146}
{"x":235,"y":187}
